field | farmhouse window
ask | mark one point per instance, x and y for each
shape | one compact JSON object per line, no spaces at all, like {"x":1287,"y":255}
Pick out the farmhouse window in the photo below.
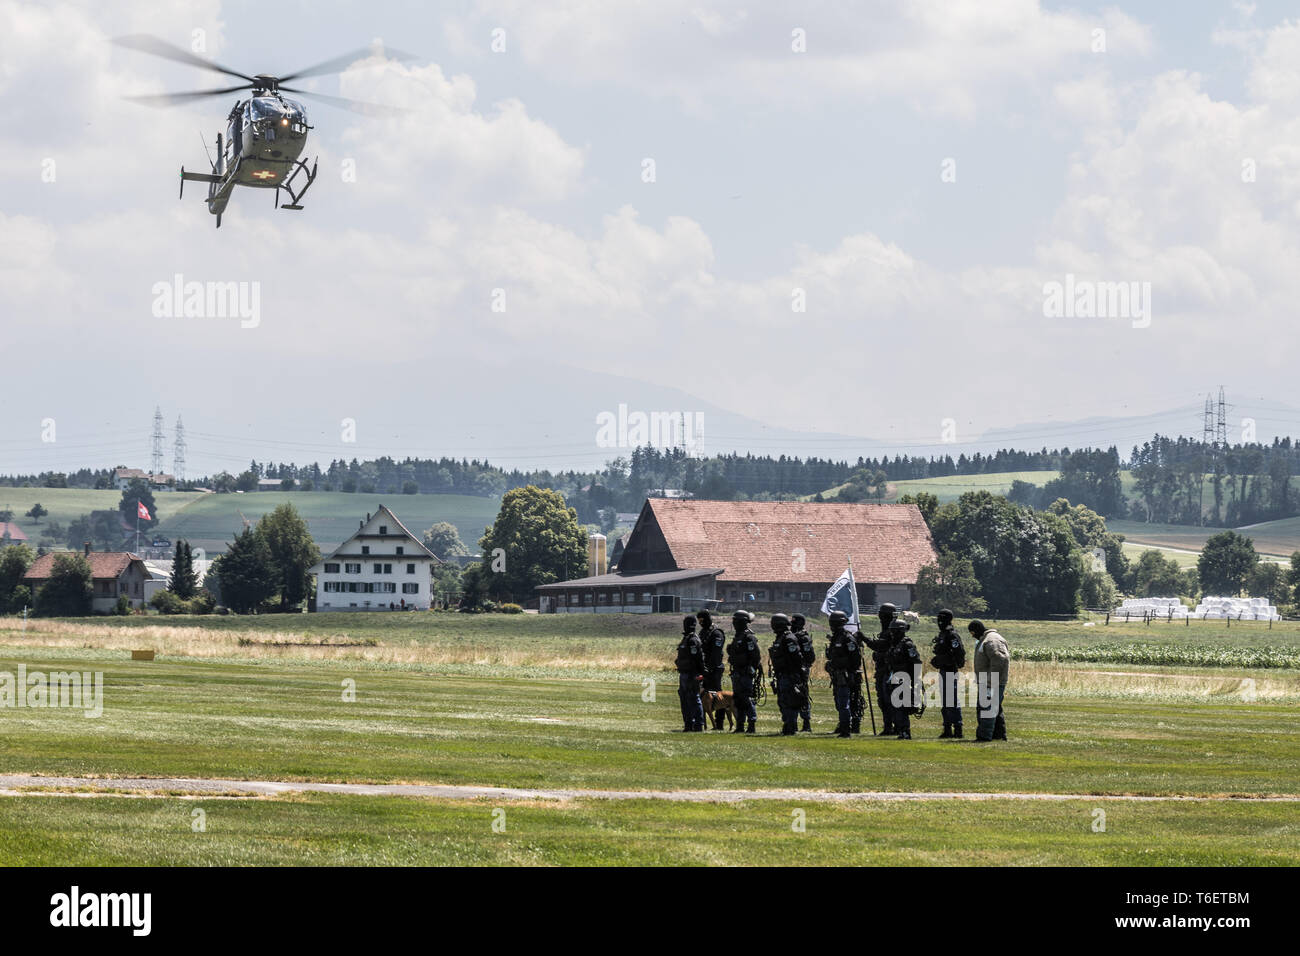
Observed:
{"x":365,"y":549}
{"x":352,"y":568}
{"x":410,"y":569}
{"x":331,"y":567}
{"x":401,"y":550}
{"x":410,"y":589}
{"x":383,"y":529}
{"x":387,"y":587}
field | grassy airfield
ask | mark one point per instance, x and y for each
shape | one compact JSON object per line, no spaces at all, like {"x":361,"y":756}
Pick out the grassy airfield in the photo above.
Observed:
{"x":549,"y":702}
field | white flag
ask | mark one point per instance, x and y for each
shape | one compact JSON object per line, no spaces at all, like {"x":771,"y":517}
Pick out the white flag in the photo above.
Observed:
{"x":842,"y":596}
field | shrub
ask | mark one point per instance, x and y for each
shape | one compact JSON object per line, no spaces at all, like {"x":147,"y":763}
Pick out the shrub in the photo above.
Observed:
{"x":509,"y":609}
{"x":123,"y":606}
{"x":165,"y":602}
{"x":203,"y":602}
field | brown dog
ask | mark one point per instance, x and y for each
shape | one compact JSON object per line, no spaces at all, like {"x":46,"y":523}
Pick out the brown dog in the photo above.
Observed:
{"x":716,"y":704}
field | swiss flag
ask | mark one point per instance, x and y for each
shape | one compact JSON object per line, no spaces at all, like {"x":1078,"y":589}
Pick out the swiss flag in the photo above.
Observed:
{"x":141,"y":511}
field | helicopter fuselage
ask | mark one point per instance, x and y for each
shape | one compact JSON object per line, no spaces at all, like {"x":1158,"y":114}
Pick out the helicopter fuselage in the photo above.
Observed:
{"x":262,"y":148}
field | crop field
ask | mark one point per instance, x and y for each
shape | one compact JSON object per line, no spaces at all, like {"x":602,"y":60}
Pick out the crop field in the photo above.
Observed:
{"x":584,"y":709}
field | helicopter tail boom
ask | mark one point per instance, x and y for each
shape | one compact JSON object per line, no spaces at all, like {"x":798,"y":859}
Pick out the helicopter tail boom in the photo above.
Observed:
{"x":196,"y":178}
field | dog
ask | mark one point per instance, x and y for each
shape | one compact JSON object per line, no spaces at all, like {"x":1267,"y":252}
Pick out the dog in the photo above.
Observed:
{"x":718,"y":703}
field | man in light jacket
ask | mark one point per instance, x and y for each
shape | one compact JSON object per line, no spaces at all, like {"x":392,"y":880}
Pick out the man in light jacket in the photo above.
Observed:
{"x":992,"y":666}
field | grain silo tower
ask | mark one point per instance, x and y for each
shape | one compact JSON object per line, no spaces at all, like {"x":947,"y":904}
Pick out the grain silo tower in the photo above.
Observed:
{"x":597,"y":561}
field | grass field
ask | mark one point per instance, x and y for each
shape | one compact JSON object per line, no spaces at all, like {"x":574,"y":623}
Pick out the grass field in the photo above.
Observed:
{"x":213,"y":520}
{"x":210,"y":521}
{"x":559,"y":702}
{"x":67,"y":504}
{"x":1273,"y":539}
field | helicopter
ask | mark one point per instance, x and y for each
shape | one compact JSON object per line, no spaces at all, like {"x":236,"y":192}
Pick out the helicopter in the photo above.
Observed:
{"x":265,"y":133}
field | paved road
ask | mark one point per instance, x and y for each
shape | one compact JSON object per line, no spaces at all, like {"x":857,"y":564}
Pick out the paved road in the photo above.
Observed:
{"x":16,"y":784}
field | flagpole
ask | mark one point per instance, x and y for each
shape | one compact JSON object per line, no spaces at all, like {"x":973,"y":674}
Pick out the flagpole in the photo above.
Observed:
{"x":137,"y":525}
{"x":857,"y":617}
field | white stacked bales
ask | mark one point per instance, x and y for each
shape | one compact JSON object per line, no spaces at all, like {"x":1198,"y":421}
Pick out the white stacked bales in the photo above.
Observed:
{"x":1236,"y":609}
{"x":1137,"y":609}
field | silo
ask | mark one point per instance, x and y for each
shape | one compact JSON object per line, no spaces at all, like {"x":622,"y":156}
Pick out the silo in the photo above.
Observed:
{"x":596,"y":556}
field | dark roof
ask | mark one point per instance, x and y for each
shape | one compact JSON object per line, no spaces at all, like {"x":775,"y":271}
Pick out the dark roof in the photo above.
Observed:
{"x":756,"y":540}
{"x":631,"y":580}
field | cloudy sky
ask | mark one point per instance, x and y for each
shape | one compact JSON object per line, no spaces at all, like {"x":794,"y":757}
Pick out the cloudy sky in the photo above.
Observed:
{"x":816,"y":218}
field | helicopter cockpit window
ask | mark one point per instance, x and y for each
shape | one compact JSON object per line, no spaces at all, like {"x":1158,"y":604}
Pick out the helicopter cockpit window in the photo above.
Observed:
{"x":264,"y":108}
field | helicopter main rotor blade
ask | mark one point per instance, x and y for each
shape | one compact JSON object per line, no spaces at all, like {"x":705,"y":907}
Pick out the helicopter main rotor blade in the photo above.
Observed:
{"x":152,"y":44}
{"x":356,"y":106}
{"x":340,"y":63}
{"x":176,"y":99}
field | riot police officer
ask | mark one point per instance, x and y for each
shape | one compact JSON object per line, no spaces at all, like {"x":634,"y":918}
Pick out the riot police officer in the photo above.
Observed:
{"x":714,"y":640}
{"x":844,"y":664}
{"x":787,"y":674}
{"x":949,"y":657}
{"x":904,"y":662}
{"x":746,"y":662}
{"x":879,"y":655}
{"x":690,"y":675}
{"x":799,"y":625}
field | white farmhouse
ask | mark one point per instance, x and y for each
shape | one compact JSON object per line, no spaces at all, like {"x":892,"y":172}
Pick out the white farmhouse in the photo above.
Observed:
{"x":381,"y":567}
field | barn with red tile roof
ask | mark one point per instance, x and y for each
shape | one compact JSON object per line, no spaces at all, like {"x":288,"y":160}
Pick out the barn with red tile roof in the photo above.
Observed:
{"x":780,"y":554}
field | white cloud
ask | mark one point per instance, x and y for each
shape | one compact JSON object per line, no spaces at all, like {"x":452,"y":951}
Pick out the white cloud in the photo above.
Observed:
{"x":939,"y":56}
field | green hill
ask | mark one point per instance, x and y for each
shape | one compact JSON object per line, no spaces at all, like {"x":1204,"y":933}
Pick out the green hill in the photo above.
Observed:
{"x":1278,"y":538}
{"x":952,"y":487}
{"x":332,"y":516}
{"x":67,"y":504}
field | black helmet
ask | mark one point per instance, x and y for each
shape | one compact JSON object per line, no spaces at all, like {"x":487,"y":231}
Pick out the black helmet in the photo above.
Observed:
{"x":797,"y":619}
{"x":742,"y":617}
{"x":887,"y":612}
{"x":838,"y":619}
{"x":945,"y":618}
{"x":704,"y":615}
{"x":782,"y":620}
{"x":688,"y":622}
{"x":899,"y":626}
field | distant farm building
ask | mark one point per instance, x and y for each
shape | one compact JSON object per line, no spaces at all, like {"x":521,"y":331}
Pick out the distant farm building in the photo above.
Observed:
{"x":10,"y":533}
{"x":122,"y":478}
{"x":685,"y":554}
{"x":381,"y":567}
{"x":112,"y":574}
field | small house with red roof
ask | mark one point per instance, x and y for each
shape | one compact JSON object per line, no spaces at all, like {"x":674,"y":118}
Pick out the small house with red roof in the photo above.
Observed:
{"x":112,"y":574}
{"x":10,"y":533}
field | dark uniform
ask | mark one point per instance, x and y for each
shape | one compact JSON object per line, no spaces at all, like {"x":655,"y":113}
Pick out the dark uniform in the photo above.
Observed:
{"x":949,"y":657}
{"x":798,"y":624}
{"x":690,"y":674}
{"x":844,"y":664}
{"x":904,"y":662}
{"x":787,"y":674}
{"x":879,"y":655}
{"x":746,"y":663}
{"x":714,"y":640}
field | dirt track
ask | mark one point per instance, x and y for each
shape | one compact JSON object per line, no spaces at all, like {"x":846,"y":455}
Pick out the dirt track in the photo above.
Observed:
{"x":22,"y":784}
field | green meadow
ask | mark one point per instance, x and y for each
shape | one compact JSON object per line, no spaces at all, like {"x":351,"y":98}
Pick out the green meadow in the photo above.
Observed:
{"x":589,"y":703}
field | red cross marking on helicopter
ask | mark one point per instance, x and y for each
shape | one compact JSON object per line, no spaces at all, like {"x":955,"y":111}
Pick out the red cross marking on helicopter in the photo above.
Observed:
{"x":264,"y":174}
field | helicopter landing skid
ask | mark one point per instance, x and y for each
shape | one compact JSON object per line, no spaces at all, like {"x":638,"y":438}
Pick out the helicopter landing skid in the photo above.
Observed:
{"x":287,"y":185}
